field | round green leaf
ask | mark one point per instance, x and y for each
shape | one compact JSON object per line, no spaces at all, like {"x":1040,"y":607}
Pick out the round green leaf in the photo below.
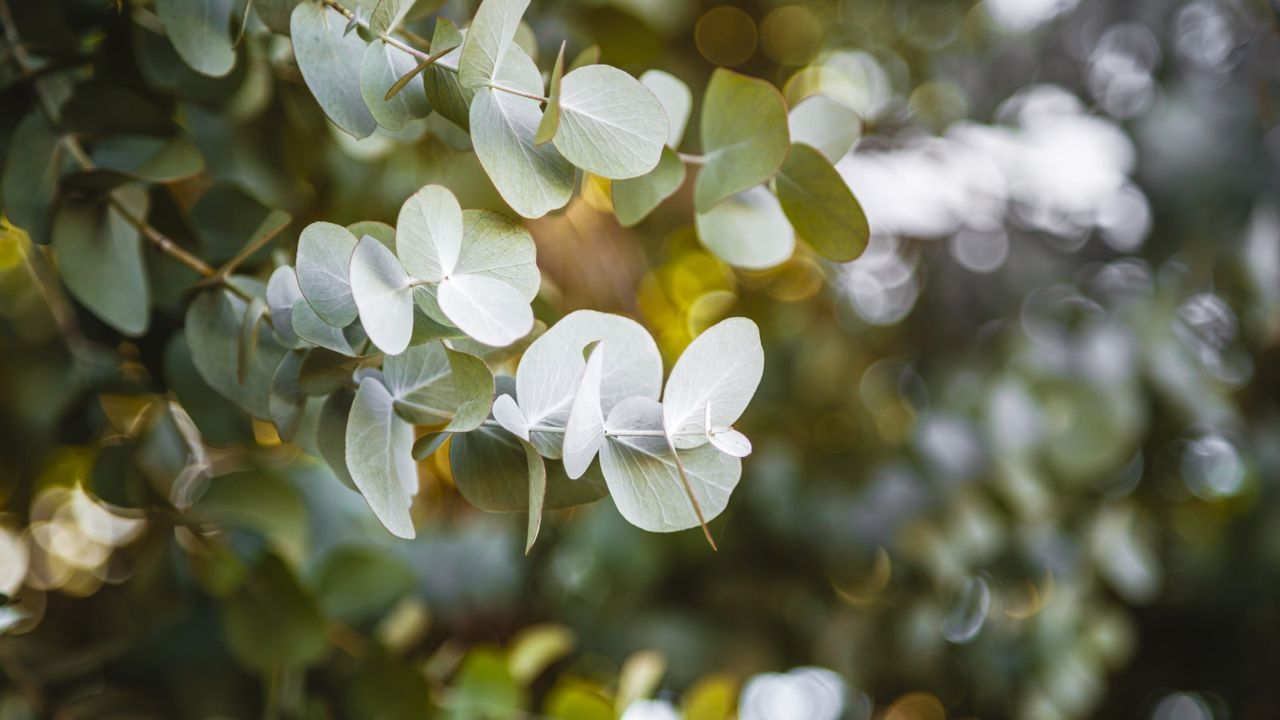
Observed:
{"x":744,"y":136}
{"x":820,"y":205}
{"x":100,"y":259}
{"x":201,"y":33}
{"x":271,"y":621}
{"x":429,"y":233}
{"x":29,"y":184}
{"x":635,"y":198}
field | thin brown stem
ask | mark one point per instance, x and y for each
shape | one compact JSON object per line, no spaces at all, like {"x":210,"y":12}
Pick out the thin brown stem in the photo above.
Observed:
{"x":688,"y":489}
{"x":388,"y":39}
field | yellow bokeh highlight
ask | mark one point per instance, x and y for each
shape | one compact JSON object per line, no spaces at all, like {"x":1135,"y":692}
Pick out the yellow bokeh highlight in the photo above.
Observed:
{"x":791,"y":35}
{"x":725,"y":35}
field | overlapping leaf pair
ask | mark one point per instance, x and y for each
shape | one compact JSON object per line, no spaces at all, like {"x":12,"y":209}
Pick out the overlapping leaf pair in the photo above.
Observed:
{"x":435,"y":298}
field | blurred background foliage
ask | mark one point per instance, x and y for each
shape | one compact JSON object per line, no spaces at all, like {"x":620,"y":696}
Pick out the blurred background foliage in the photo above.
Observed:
{"x":1017,"y":460}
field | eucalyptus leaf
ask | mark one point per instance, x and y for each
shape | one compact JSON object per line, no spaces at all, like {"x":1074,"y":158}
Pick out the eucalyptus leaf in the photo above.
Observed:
{"x":744,"y":136}
{"x":331,"y":434}
{"x":379,"y":457}
{"x":149,"y":158}
{"x":433,"y":385}
{"x":644,"y":478}
{"x":445,"y":93}
{"x":324,"y":256}
{"x":610,"y":124}
{"x":380,"y":68}
{"x":486,"y":309}
{"x":713,"y":381}
{"x":29,"y":184}
{"x":826,"y":124}
{"x":584,"y":430}
{"x":271,"y":621}
{"x":213,"y":330}
{"x":387,"y":16}
{"x":635,"y":198}
{"x":537,"y":470}
{"x":282,"y":294}
{"x":308,"y":326}
{"x":489,"y":38}
{"x":533,"y":179}
{"x":330,"y":61}
{"x":749,"y":230}
{"x":508,"y":414}
{"x":676,"y":99}
{"x":550,"y":122}
{"x":275,"y":14}
{"x":383,"y":295}
{"x":429,"y":233}
{"x":201,"y":33}
{"x":287,"y":401}
{"x":820,"y":205}
{"x":491,"y":470}
{"x":100,"y":258}
{"x":551,"y":369}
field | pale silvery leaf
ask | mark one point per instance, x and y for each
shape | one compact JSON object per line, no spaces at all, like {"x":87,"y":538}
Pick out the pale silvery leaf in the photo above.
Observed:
{"x":388,"y":14}
{"x":731,"y":441}
{"x":379,"y":448}
{"x":330,"y":64}
{"x":383,"y":295}
{"x":324,"y":256}
{"x":201,"y":33}
{"x":552,"y":368}
{"x":533,"y":179}
{"x":508,"y":415}
{"x":676,"y":101}
{"x":488,"y":40}
{"x":307,"y":325}
{"x":381,"y":66}
{"x":486,"y":309}
{"x":644,"y":478}
{"x":420,"y":384}
{"x":748,"y":230}
{"x":825,"y":124}
{"x":429,"y":233}
{"x":610,"y":124}
{"x":432,"y":385}
{"x":584,"y":430}
{"x":496,"y":246}
{"x":282,"y":294}
{"x":713,"y":381}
